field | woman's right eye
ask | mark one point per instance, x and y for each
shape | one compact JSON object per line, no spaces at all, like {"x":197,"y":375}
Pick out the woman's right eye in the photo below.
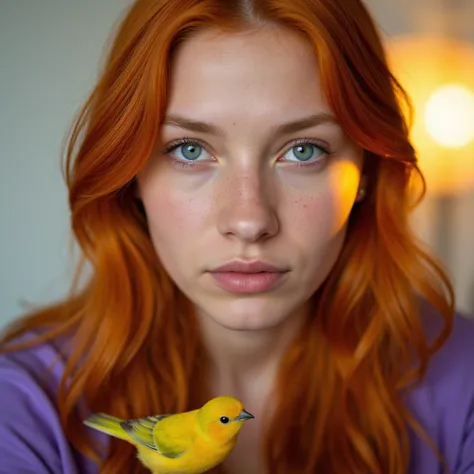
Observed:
{"x":187,"y":151}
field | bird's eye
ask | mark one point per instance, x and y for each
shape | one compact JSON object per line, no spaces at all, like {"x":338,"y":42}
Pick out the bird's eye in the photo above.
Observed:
{"x":224,"y":420}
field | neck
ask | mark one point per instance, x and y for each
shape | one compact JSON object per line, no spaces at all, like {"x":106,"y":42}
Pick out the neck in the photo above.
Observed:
{"x":245,"y":362}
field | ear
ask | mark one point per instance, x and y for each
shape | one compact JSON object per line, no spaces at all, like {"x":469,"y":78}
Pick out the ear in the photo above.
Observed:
{"x":362,"y":191}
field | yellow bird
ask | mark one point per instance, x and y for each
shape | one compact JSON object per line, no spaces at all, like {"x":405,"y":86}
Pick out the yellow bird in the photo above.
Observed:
{"x":185,"y":443}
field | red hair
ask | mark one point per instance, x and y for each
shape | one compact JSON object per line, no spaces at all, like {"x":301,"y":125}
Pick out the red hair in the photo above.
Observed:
{"x":135,"y":344}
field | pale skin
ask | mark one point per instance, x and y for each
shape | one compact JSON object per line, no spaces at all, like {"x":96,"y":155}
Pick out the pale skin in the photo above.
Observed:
{"x":246,"y":192}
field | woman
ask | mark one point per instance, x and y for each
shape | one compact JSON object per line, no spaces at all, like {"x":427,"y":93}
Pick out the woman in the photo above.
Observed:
{"x":240,"y":182}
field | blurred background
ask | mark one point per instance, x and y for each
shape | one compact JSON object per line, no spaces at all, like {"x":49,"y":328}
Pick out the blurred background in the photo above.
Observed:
{"x":50,"y":53}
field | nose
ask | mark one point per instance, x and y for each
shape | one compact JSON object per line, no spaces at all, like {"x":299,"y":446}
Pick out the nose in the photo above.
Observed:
{"x":246,"y":211}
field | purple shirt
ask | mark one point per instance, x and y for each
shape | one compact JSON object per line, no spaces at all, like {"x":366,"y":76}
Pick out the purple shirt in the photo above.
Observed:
{"x":32,"y":440}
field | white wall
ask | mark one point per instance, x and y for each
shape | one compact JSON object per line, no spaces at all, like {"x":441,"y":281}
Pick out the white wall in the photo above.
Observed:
{"x":49,"y":55}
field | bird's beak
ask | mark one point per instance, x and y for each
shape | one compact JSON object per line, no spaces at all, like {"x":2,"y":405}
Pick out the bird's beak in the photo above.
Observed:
{"x":244,"y":415}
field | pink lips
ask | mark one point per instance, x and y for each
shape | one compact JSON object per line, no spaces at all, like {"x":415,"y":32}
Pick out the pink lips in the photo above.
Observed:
{"x":247,"y":277}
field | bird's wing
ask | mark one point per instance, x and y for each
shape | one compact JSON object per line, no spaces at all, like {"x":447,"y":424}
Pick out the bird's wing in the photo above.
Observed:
{"x":141,"y":430}
{"x":175,"y":434}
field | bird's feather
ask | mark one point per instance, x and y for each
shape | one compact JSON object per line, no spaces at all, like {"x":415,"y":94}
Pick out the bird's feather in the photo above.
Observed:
{"x":175,"y":435}
{"x":142,"y":430}
{"x":107,"y":424}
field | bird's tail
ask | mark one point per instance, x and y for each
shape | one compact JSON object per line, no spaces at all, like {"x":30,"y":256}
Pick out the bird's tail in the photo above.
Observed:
{"x":107,"y":424}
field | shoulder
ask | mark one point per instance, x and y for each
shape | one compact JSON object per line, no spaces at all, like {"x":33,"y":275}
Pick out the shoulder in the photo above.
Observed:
{"x":453,"y":364}
{"x":42,"y":364}
{"x":31,"y":435}
{"x":444,"y":400}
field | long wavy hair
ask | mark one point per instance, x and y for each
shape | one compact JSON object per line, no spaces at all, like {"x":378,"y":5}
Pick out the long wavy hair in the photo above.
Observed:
{"x":133,"y":343}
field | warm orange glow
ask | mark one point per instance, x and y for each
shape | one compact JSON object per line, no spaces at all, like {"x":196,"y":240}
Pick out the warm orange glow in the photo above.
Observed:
{"x":449,"y":116}
{"x":437,"y":74}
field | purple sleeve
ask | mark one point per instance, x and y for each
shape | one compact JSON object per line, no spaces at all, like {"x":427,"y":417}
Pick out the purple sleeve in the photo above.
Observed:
{"x":467,"y":450}
{"x":444,"y":403}
{"x":31,"y":437}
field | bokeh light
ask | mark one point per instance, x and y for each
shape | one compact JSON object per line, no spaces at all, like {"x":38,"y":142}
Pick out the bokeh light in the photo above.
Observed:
{"x":449,"y":115}
{"x":437,"y":73}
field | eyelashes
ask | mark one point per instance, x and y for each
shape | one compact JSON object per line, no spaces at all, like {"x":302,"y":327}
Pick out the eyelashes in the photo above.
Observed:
{"x":182,"y":142}
{"x":322,"y":149}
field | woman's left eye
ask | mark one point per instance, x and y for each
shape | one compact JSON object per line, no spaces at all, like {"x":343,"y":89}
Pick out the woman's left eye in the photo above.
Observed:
{"x":306,"y":152}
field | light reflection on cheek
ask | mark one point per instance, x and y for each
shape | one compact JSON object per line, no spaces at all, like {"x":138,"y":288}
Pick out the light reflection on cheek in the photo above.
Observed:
{"x":323,"y":204}
{"x":344,"y":181}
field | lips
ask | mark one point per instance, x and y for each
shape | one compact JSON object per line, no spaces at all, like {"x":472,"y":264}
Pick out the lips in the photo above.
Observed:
{"x":255,"y":266}
{"x":252,"y":277}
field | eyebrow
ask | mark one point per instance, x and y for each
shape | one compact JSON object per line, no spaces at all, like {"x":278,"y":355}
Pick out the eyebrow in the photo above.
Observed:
{"x":314,"y":120}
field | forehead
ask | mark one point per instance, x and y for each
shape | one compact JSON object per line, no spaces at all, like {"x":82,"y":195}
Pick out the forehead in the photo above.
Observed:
{"x":264,"y":71}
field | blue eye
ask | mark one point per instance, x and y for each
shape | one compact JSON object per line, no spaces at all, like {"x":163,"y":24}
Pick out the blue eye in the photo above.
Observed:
{"x":190,"y":151}
{"x":303,"y":152}
{"x":187,"y":150}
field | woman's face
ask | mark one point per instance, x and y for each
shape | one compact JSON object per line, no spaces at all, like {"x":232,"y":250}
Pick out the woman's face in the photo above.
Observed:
{"x":251,"y":168}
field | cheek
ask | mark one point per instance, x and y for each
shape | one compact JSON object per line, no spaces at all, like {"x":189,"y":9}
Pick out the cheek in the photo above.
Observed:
{"x":172,"y":214}
{"x":214,"y":429}
{"x":173,"y":220}
{"x":317,"y":228}
{"x":323,"y":214}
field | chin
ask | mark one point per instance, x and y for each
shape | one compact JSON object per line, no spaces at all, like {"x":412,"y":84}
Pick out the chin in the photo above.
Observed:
{"x":253,"y":315}
{"x":245,"y":323}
